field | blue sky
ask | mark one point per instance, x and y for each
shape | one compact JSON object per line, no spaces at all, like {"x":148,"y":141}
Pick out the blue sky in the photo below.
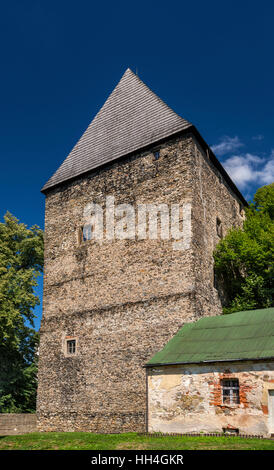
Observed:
{"x":212,"y":62}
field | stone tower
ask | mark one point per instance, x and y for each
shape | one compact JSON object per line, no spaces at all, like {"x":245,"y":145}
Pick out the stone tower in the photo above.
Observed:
{"x":111,"y":303}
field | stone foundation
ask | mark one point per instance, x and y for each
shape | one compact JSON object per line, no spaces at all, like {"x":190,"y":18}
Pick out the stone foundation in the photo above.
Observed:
{"x":93,"y":422}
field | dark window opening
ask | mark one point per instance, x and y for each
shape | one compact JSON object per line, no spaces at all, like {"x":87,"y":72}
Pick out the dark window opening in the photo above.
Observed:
{"x":219,"y":227}
{"x":71,"y":346}
{"x":231,"y":391}
{"x":157,"y":155}
{"x":231,"y":431}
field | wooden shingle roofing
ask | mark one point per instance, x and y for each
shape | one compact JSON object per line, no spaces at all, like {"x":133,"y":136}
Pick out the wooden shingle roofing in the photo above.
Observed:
{"x":132,"y":117}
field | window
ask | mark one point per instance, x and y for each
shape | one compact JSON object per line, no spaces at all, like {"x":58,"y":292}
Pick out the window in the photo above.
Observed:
{"x":241,"y":210}
{"x":231,"y":391}
{"x":219,"y":227}
{"x":157,"y":155}
{"x":71,"y":346}
{"x":86,"y":232}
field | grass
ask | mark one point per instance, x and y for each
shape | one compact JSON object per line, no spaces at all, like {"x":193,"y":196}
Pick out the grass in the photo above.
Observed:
{"x":127,"y":441}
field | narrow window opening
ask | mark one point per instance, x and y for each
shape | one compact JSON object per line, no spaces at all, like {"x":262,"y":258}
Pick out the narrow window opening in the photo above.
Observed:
{"x":219,"y":227}
{"x":157,"y":155}
{"x":71,"y":346}
{"x":231,"y":391}
{"x":86,"y":232}
{"x":241,"y":210}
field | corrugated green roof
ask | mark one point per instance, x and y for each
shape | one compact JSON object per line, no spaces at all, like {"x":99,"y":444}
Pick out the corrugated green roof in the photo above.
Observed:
{"x":238,"y":336}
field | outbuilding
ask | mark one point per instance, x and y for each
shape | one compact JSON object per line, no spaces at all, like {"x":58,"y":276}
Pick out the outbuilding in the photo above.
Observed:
{"x":215,"y":375}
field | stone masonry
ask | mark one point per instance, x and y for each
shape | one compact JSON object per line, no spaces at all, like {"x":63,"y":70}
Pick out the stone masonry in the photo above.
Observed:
{"x":17,"y":423}
{"x":122,"y":300}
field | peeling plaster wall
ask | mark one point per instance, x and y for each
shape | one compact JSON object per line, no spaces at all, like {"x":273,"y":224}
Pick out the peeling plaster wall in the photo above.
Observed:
{"x":189,"y":398}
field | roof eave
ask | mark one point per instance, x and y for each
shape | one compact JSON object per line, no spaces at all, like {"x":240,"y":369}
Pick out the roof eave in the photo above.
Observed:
{"x":46,"y":188}
{"x":160,"y":364}
{"x":218,"y":165}
{"x":190,"y":129}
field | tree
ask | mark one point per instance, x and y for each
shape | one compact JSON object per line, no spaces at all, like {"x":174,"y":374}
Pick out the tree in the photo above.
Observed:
{"x":244,"y":258}
{"x":21,"y":262}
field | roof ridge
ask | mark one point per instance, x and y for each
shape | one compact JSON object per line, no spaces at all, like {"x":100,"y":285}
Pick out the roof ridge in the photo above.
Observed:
{"x":234,"y":324}
{"x":229,"y":339}
{"x":157,"y":96}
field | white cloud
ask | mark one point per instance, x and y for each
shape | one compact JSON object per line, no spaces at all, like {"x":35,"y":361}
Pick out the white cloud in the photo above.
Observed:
{"x":248,"y":168}
{"x":227,"y":145}
{"x":267,"y":174}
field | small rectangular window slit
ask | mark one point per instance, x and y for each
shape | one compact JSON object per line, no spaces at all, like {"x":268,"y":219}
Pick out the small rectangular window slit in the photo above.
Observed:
{"x":71,"y":346}
{"x":219,"y":227}
{"x":86,"y":232}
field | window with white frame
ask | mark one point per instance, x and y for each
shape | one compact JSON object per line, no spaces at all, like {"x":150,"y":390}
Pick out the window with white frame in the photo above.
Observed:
{"x":230,"y":391}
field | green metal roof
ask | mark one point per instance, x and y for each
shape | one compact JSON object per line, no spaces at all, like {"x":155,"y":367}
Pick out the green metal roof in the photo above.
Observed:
{"x":233,"y":337}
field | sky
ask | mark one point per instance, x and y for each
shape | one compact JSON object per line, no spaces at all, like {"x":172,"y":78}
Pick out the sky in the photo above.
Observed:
{"x":212,"y":62}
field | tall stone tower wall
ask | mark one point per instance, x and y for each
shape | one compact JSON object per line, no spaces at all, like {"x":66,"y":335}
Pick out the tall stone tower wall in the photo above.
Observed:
{"x":122,"y":300}
{"x":215,"y":209}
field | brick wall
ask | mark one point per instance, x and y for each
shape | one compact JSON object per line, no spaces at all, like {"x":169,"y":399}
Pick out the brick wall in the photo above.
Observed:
{"x":17,"y":423}
{"x":216,"y":393}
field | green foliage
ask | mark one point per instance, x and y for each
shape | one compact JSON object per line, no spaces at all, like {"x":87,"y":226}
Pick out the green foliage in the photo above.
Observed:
{"x":264,"y":200}
{"x":21,"y":262}
{"x":244,"y":258}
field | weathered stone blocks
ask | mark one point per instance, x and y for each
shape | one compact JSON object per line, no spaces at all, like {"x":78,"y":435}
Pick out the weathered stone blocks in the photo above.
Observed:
{"x":123,"y":299}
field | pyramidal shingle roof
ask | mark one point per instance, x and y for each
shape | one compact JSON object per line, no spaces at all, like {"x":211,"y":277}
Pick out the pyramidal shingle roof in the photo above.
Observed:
{"x":131,"y":118}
